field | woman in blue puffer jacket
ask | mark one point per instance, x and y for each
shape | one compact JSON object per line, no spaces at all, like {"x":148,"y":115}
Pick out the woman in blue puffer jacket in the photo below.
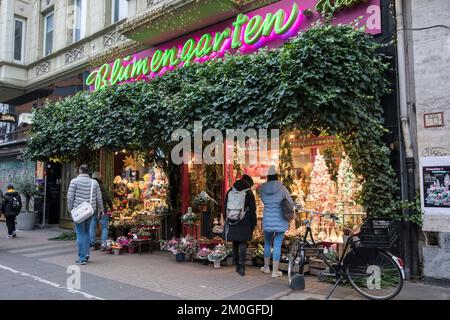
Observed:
{"x":274,"y":224}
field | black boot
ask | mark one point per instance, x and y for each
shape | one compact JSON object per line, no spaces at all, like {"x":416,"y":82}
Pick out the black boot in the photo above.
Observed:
{"x":236,"y":254}
{"x":242,"y":270}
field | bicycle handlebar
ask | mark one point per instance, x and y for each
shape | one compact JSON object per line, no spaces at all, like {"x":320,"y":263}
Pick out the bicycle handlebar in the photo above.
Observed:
{"x":330,"y":215}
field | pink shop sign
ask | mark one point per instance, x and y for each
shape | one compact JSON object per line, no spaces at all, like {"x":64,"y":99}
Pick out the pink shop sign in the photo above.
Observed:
{"x":269,"y":26}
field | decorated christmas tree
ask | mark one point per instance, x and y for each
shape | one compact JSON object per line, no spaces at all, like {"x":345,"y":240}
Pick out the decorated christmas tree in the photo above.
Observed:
{"x":322,"y":190}
{"x":348,"y":186}
{"x":286,"y":164}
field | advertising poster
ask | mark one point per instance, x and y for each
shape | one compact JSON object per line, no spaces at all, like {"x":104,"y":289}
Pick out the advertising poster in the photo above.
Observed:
{"x":436,"y":184}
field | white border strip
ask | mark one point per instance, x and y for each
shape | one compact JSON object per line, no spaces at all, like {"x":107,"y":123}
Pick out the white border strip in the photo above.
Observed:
{"x":52,"y":284}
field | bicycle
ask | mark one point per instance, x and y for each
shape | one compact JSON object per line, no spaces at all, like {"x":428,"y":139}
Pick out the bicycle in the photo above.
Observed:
{"x":372,"y":271}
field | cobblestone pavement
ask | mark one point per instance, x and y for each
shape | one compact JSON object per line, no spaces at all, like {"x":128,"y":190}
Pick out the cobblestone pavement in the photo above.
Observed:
{"x":31,"y":267}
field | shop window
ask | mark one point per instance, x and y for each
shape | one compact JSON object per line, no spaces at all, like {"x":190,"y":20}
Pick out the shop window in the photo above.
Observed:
{"x":19,"y":39}
{"x":319,"y":176}
{"x":140,"y":197}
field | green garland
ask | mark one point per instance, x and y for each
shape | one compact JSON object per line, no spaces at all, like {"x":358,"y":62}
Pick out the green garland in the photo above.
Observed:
{"x":329,"y":78}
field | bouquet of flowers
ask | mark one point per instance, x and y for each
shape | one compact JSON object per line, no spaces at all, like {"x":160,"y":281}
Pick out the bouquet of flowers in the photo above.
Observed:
{"x":123,"y":241}
{"x":203,"y":253}
{"x":218,"y":253}
{"x":259,"y":252}
{"x":182,"y":245}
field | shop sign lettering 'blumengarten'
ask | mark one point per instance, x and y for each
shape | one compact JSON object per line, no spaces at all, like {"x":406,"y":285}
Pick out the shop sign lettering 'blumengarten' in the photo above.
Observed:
{"x":246,"y":33}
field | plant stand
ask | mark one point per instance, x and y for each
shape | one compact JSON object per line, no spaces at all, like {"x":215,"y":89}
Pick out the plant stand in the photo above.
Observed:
{"x":217,"y":264}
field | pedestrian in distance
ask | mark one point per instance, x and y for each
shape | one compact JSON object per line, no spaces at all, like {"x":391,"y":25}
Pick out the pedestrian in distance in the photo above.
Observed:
{"x":84,"y":189}
{"x":274,"y":224}
{"x":11,"y":206}
{"x":240,"y":219}
{"x":102,"y":217}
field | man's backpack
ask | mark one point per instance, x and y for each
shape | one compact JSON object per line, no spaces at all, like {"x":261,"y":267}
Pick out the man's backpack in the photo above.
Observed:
{"x":236,"y":205}
{"x":15,"y":202}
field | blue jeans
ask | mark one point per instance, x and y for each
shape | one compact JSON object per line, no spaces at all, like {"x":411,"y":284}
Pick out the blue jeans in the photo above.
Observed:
{"x":83,"y":241}
{"x":277,"y":238}
{"x":103,"y":224}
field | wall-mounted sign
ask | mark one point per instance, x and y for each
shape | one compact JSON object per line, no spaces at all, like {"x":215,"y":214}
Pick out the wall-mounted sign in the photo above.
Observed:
{"x":268,"y":26}
{"x":432,"y":120}
{"x":40,"y":170}
{"x":7,"y":117}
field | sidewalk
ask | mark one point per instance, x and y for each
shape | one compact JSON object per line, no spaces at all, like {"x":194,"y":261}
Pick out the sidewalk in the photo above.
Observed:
{"x":156,"y":276}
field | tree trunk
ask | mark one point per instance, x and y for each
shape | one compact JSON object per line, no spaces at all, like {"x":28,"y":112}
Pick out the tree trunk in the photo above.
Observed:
{"x":27,"y":204}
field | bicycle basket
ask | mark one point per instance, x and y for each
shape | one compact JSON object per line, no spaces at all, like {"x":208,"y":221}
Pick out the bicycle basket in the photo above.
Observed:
{"x":379,"y":233}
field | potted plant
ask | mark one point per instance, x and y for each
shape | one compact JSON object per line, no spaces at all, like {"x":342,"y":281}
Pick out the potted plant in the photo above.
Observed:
{"x":180,"y":247}
{"x":116,"y":248}
{"x":258,"y":256}
{"x":25,"y":185}
{"x":203,"y":254}
{"x":202,"y":200}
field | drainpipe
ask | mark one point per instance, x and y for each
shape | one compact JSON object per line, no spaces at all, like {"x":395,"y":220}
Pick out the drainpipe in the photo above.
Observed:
{"x":410,"y":243}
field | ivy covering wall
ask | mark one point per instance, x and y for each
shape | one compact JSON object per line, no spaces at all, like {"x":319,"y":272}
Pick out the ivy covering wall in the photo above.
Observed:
{"x":328,"y":78}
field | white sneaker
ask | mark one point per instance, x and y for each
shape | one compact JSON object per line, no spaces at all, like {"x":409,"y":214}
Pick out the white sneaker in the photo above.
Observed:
{"x":10,"y":237}
{"x":277,"y":274}
{"x":265,"y":269}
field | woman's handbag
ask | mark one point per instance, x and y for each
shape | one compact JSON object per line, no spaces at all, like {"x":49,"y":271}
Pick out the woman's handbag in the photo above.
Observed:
{"x":84,"y":211}
{"x":287,"y":210}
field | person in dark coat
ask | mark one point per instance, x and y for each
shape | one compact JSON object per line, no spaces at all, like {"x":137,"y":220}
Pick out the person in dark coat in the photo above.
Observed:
{"x":242,"y":231}
{"x":10,"y":211}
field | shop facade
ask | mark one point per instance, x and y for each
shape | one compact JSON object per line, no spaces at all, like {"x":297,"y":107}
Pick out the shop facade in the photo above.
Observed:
{"x":314,"y":164}
{"x":320,"y":174}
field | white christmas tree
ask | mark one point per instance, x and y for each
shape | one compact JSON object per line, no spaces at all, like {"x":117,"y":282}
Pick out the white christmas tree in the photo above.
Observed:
{"x":348,"y":186}
{"x":322,"y":190}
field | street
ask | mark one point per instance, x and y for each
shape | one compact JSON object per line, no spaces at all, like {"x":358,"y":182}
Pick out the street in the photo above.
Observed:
{"x":32,"y":267}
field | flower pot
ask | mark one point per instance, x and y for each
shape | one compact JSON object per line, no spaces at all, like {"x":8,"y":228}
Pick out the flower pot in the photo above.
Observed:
{"x":217,"y":264}
{"x":117,"y":251}
{"x":180,"y":257}
{"x":109,"y":250}
{"x":131,"y":249}
{"x":26,"y":220}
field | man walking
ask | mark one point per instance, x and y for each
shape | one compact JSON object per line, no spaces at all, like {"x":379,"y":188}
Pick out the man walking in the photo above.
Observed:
{"x":79,"y":192}
{"x":11,"y":206}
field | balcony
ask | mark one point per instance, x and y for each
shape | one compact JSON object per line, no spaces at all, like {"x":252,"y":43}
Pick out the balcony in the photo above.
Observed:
{"x":168,"y":19}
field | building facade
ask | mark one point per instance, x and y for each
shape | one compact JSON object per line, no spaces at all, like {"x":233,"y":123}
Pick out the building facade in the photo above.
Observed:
{"x":428,"y":54}
{"x":48,"y":48}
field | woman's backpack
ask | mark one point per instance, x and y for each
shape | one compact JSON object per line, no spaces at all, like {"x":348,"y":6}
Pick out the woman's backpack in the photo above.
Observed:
{"x":236,"y":205}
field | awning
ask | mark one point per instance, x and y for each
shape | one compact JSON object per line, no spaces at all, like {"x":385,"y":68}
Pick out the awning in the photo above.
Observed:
{"x":171,"y":19}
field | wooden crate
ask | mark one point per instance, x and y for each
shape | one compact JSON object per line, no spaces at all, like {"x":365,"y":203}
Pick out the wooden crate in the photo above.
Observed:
{"x":317,"y":263}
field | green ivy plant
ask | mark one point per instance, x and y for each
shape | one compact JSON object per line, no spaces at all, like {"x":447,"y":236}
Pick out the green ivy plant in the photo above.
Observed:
{"x":328,"y":78}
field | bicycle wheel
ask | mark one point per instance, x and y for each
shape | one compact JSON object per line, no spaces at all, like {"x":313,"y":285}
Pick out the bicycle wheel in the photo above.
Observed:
{"x":295,"y":260}
{"x":374,"y":274}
